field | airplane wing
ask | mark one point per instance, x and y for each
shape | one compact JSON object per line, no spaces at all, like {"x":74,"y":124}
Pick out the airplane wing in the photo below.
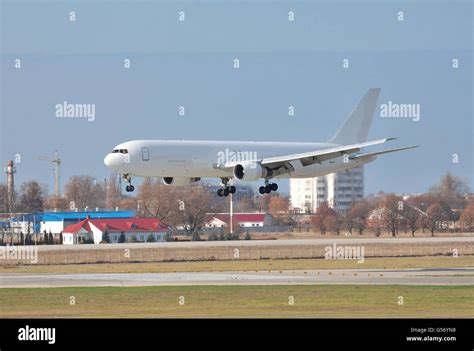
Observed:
{"x":318,"y":156}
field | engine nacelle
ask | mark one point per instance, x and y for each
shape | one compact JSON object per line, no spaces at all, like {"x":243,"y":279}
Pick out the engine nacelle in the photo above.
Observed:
{"x":250,"y":171}
{"x":173,"y":181}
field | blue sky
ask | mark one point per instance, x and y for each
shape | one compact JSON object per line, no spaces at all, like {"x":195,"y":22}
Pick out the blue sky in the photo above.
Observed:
{"x":190,"y":63}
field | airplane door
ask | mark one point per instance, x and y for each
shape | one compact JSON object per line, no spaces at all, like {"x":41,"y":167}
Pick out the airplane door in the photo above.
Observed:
{"x":145,"y":154}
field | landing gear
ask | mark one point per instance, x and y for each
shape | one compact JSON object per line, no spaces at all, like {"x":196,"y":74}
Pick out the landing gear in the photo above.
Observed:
{"x":268,"y":188}
{"x":227,"y":189}
{"x":129,"y":188}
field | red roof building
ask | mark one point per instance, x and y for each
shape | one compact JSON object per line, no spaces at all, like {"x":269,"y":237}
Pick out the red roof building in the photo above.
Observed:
{"x":133,"y":230}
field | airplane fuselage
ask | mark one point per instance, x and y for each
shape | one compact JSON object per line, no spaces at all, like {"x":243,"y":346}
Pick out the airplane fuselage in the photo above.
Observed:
{"x":204,"y":159}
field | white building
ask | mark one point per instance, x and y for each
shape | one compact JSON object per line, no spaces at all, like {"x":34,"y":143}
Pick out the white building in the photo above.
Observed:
{"x":339,"y":190}
{"x":245,"y":220}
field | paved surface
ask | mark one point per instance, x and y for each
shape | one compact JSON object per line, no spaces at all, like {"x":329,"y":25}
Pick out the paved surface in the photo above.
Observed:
{"x":453,"y":276}
{"x":246,"y":243}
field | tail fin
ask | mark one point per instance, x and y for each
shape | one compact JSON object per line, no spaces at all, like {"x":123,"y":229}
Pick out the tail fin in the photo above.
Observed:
{"x":356,"y":127}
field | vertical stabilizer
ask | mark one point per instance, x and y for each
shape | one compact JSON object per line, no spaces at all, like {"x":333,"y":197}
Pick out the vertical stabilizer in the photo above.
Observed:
{"x":356,"y":127}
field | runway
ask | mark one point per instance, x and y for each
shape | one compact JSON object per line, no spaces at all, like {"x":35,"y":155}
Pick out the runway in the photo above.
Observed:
{"x":441,"y":276}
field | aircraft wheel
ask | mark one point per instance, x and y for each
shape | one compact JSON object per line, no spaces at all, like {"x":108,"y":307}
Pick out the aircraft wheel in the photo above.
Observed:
{"x":226,"y":191}
{"x":232,"y":189}
{"x":132,"y":188}
{"x":220,"y":192}
{"x":268,"y":189}
{"x":274,"y":186}
{"x":262,"y":190}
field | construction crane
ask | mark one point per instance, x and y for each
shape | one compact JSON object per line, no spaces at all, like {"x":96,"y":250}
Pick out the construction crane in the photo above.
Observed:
{"x":56,"y":164}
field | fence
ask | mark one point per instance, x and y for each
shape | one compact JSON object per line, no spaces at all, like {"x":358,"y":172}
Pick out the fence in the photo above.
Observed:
{"x":235,"y":250}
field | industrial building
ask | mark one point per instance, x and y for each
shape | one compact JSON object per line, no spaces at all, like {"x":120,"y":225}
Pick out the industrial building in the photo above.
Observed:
{"x":339,"y":190}
{"x":56,"y":222}
{"x":133,"y":230}
{"x":52,"y":222}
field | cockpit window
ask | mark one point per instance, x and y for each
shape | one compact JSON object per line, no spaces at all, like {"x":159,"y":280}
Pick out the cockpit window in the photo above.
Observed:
{"x":121,"y":151}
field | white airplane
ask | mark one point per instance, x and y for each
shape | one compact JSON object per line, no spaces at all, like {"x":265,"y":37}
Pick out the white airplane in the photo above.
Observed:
{"x":180,"y":162}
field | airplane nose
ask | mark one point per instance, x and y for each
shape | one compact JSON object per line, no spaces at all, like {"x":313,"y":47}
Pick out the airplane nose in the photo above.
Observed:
{"x":107,"y":160}
{"x":112,"y":161}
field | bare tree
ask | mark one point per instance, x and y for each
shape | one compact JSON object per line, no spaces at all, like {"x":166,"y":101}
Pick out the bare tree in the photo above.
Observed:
{"x":245,"y":204}
{"x":159,"y":200}
{"x":451,"y":190}
{"x":412,"y":213}
{"x":333,"y":222}
{"x":128,"y":203}
{"x":422,"y":202}
{"x":436,"y":214}
{"x":318,"y":219}
{"x":194,"y":204}
{"x":467,"y":217}
{"x":391,"y":204}
{"x":357,"y":216}
{"x":279,"y":207}
{"x":84,"y":191}
{"x":112,"y":192}
{"x":3,"y":199}
{"x":32,"y":197}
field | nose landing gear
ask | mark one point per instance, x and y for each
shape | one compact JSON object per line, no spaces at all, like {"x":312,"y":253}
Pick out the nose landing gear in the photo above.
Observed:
{"x":129,"y":188}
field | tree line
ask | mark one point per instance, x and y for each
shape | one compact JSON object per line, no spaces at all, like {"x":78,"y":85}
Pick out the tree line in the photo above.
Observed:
{"x":442,"y":206}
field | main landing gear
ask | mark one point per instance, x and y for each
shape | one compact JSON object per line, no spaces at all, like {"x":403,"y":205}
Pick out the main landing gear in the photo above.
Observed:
{"x":227,"y":189}
{"x":268,"y":188}
{"x":129,"y":188}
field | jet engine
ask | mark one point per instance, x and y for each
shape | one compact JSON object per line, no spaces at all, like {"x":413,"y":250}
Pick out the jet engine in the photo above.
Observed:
{"x":250,"y":171}
{"x":173,"y":181}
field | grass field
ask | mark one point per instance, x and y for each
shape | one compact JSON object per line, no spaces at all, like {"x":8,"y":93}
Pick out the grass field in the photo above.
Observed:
{"x":246,"y":265}
{"x":240,"y":301}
